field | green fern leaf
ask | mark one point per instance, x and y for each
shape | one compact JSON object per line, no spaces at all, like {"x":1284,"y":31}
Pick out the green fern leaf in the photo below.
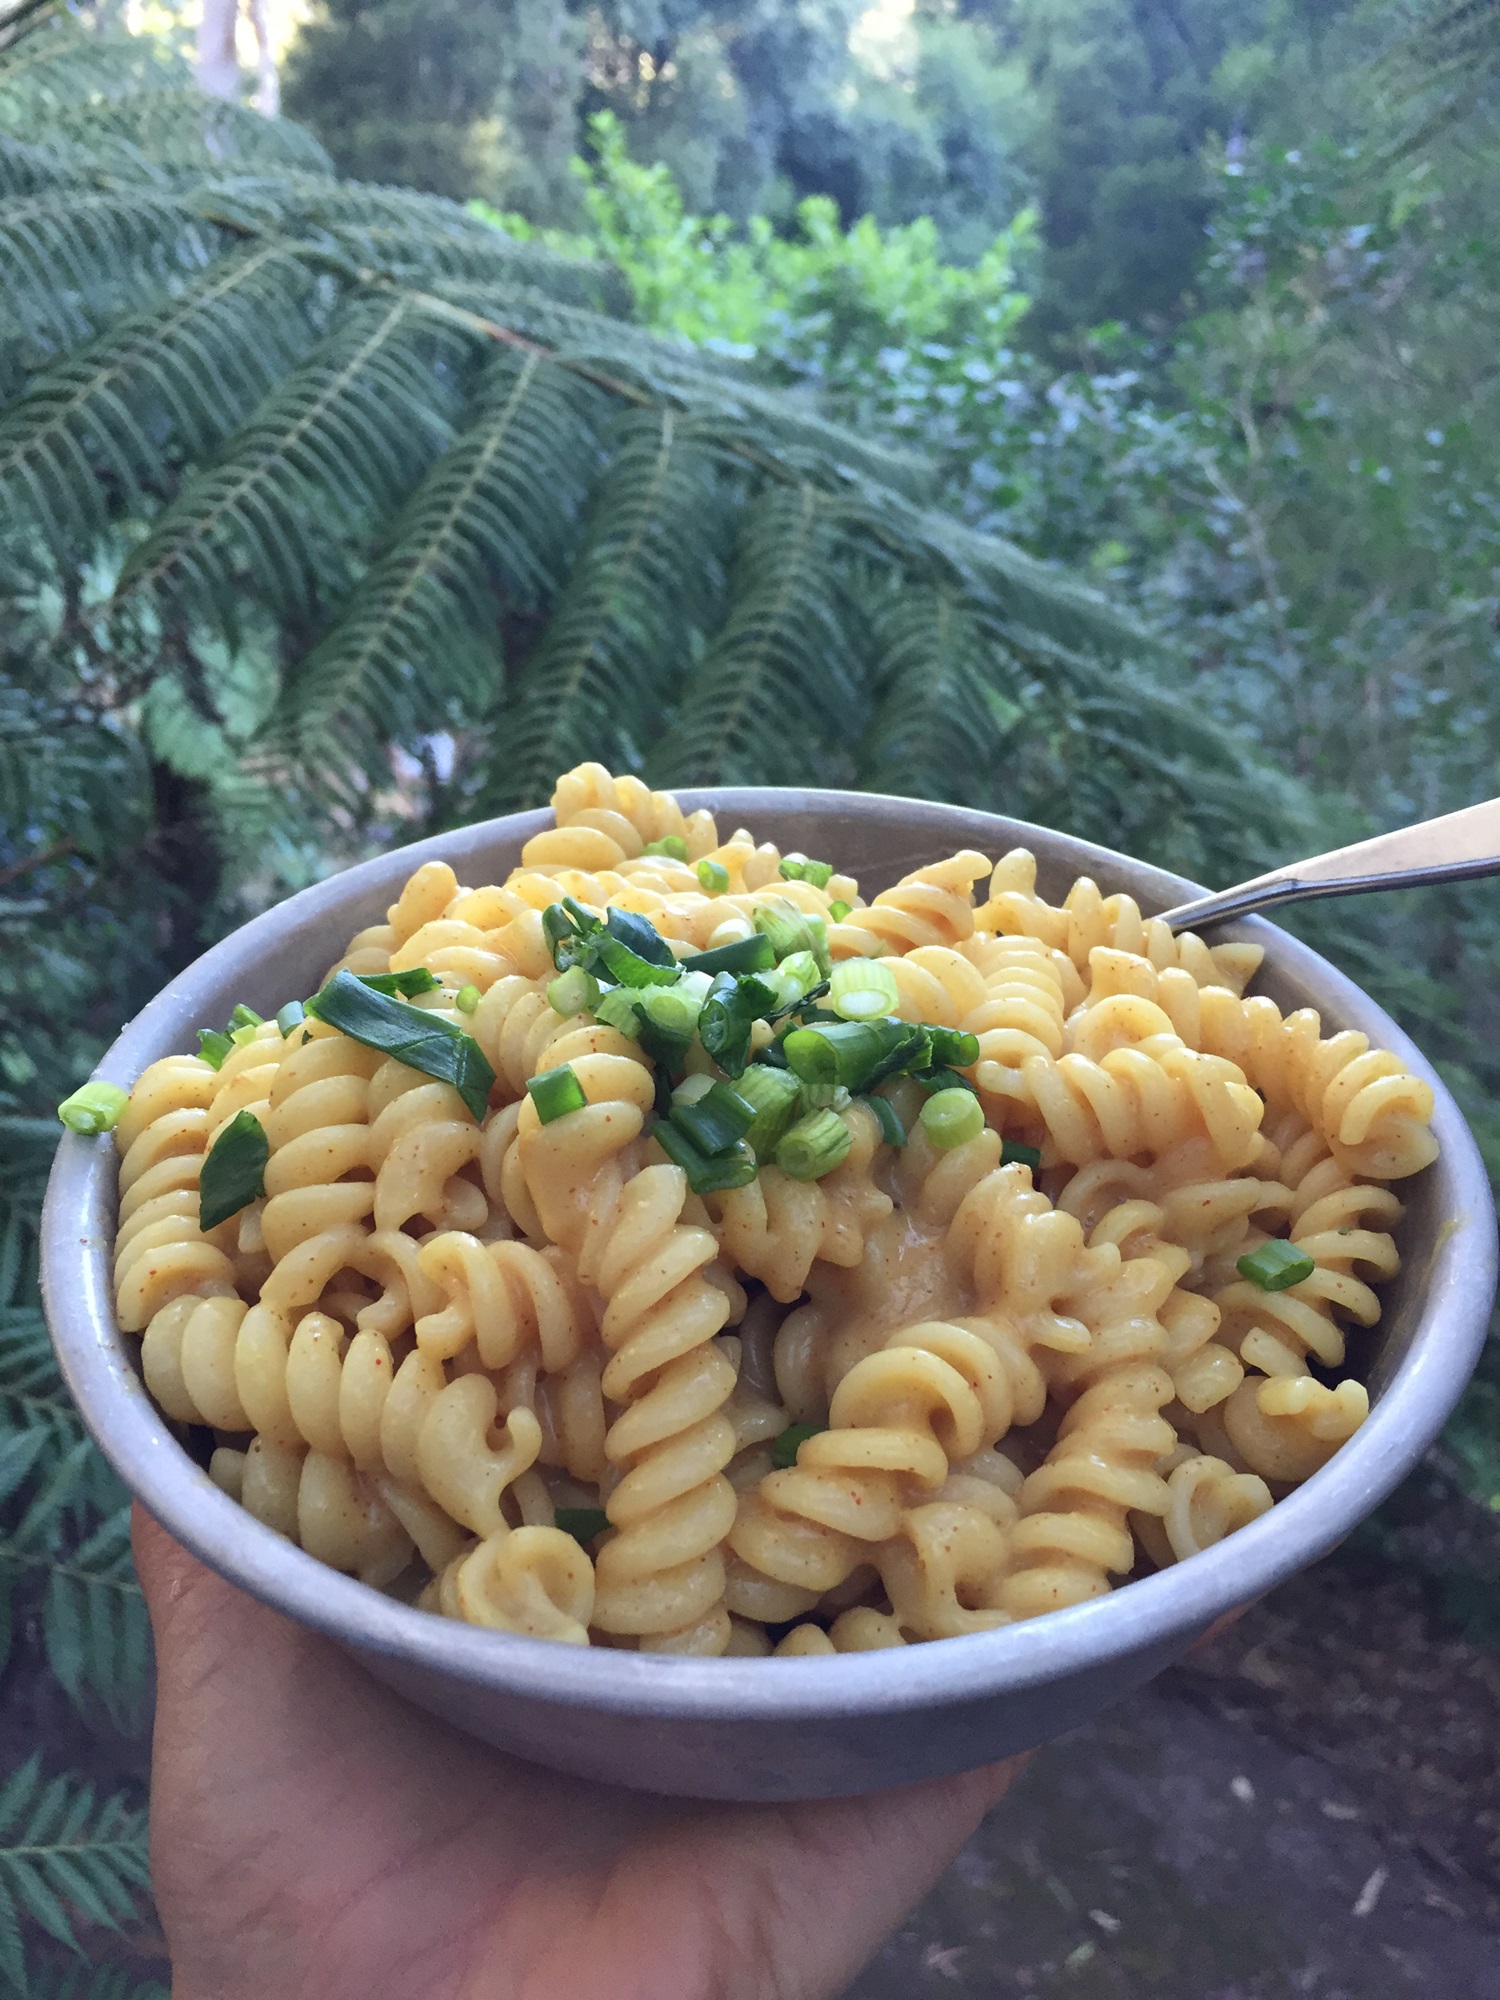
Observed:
{"x":32,"y":1397}
{"x":93,"y":1982}
{"x":63,"y":1855}
{"x":97,"y":423}
{"x":949,"y":701}
{"x":63,"y":65}
{"x":71,"y":260}
{"x":630,"y":618}
{"x":489,"y":529}
{"x":771,"y":426}
{"x":95,"y":1629}
{"x":186,"y":132}
{"x":782,"y":687}
{"x":338,"y":446}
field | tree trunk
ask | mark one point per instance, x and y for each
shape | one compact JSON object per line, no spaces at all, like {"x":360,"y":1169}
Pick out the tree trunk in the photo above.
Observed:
{"x":267,"y":82}
{"x":218,"y":58}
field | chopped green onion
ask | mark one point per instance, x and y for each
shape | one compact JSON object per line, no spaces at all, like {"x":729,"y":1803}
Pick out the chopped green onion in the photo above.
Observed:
{"x":558,"y":928}
{"x":707,"y":1173}
{"x":797,"y":868}
{"x":617,"y":1010}
{"x":213,"y":1046}
{"x":713,"y":878}
{"x":292,"y":1015}
{"x":952,"y":1118}
{"x":717,"y":1120}
{"x":751,"y":954}
{"x":784,"y":1448}
{"x":825,"y":1097}
{"x":670,"y":1009}
{"x":860,"y":989}
{"x":671,"y":846}
{"x":240,"y":1036}
{"x":952,"y":1049}
{"x":891,"y":1129}
{"x":556,"y":1092}
{"x":421,"y":1040}
{"x":584,"y":1524}
{"x":467,"y":999}
{"x":691,"y":1089}
{"x":794,"y":979}
{"x":772,"y":1095}
{"x":632,"y":951}
{"x":416,"y":979}
{"x":1276,"y":1265}
{"x":941,"y":1079}
{"x":1014,"y":1154}
{"x":837,"y":911}
{"x":93,"y":1108}
{"x":245,"y":1017}
{"x":814,"y":1146}
{"x":728,"y":1014}
{"x":642,"y":939}
{"x":234,"y":1170}
{"x":788,"y":928}
{"x":856,"y":1054}
{"x":572,"y":992}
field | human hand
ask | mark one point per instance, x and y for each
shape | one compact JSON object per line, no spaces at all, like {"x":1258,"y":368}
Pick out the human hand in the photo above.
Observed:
{"x":313,"y":1838}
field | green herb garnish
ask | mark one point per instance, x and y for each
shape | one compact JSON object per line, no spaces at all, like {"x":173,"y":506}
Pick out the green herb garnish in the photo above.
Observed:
{"x":584,"y":1524}
{"x":411,"y":1035}
{"x":1276,"y":1265}
{"x":234,"y":1170}
{"x":556,"y":1092}
{"x":93,"y":1108}
{"x":784,"y":1448}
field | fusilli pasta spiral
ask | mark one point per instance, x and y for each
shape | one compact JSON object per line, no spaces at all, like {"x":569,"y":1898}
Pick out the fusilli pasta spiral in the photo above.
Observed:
{"x":917,"y":1266}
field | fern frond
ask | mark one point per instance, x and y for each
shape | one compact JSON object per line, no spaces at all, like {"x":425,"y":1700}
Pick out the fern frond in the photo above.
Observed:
{"x":33,"y":1401}
{"x":65,"y":1857}
{"x":73,"y":259}
{"x":93,"y":1982}
{"x":339,"y":445}
{"x":29,"y":166}
{"x":949,"y":700}
{"x":94,"y":1623}
{"x":185,"y":132}
{"x":630,"y":618}
{"x":105,"y":420}
{"x":781,"y":688}
{"x":702,"y":384}
{"x":64,"y":67}
{"x":490,"y":529}
{"x":420,"y":237}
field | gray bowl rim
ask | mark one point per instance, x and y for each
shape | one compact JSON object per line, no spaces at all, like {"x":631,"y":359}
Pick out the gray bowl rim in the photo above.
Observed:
{"x":1176,"y":1603}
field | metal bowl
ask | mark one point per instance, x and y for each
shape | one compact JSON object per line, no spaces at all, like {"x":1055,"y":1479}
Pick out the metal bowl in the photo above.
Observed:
{"x":785,"y":1728}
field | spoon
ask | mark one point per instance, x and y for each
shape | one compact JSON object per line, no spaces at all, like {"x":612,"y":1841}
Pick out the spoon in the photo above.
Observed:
{"x":1456,"y":848}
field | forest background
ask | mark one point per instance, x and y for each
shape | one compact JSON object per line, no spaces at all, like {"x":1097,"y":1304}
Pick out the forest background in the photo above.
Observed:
{"x":1194,"y":300}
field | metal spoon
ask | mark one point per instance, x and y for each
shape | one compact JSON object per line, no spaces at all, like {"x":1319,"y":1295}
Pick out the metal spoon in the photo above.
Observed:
{"x":1456,"y":848}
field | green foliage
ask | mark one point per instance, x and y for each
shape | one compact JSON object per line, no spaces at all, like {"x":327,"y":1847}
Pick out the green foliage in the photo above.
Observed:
{"x":399,"y":92}
{"x":64,"y":1860}
{"x":1441,"y":68}
{"x":821,"y":287}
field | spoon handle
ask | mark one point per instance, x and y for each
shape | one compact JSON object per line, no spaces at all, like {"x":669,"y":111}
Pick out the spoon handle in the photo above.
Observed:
{"x":1456,"y":848}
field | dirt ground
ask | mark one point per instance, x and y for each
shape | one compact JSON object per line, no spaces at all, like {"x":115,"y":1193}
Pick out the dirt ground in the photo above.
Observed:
{"x":1310,"y":1806}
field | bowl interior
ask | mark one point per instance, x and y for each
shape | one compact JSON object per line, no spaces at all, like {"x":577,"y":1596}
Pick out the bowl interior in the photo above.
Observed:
{"x":1433,"y":1322}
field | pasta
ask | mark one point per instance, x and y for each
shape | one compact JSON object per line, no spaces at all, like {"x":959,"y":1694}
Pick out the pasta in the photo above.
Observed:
{"x":667,"y":1249}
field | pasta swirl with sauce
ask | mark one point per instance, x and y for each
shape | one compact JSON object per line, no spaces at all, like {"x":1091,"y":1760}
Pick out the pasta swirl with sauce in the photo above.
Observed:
{"x":669,"y":1249}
